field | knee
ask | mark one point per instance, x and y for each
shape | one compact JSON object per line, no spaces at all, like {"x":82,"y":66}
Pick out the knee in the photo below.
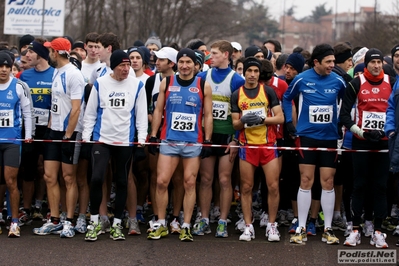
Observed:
{"x":162,"y":184}
{"x":225,"y":183}
{"x":306,"y":182}
{"x":189,"y":184}
{"x":273,"y":188}
{"x":246,"y":188}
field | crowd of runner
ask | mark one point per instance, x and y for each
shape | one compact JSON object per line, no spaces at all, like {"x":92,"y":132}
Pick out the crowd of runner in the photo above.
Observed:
{"x":95,"y":137}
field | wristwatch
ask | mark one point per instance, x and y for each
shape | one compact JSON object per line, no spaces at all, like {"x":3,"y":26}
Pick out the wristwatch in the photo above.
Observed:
{"x":65,"y":138}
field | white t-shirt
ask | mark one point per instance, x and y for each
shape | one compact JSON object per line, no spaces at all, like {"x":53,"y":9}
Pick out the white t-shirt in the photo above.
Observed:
{"x":87,"y":69}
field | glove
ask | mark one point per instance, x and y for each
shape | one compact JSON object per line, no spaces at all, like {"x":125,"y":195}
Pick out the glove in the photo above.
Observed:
{"x":291,"y":129}
{"x":139,"y":154}
{"x":374,"y":135}
{"x":251,"y":119}
{"x":206,"y":150}
{"x":153,"y":148}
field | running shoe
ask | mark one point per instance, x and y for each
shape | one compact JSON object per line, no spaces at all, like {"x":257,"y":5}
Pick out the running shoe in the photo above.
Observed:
{"x":395,"y":211}
{"x":175,"y":227}
{"x":368,"y":228}
{"x":293,"y":227}
{"x":329,"y":237}
{"x":311,"y":229}
{"x":248,"y":234}
{"x":396,"y":232}
{"x":185,"y":235}
{"x":134,"y":228}
{"x":290,"y":215}
{"x":63,"y":217}
{"x":81,"y":225}
{"x":221,"y":230}
{"x":378,"y":240}
{"x":140,"y":217}
{"x":93,"y":230}
{"x":272,"y":233}
{"x":349,"y":228}
{"x":201,"y":228}
{"x":282,"y":218}
{"x":105,"y":225}
{"x":37,"y":214}
{"x":14,"y":230}
{"x":339,"y":224}
{"x":160,"y":231}
{"x":264,"y":219}
{"x":24,"y":218}
{"x":214,"y":215}
{"x":68,"y":230}
{"x":353,"y":239}
{"x":116,"y":232}
{"x":48,"y":228}
{"x":300,"y":236}
{"x":320,"y":219}
{"x":388,"y":225}
{"x":198,"y":217}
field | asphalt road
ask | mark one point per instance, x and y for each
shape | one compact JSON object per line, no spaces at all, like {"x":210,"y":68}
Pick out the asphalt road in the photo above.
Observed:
{"x":30,"y":249}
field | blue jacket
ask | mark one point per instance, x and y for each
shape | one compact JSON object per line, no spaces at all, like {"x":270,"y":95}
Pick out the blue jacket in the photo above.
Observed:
{"x":392,"y":125}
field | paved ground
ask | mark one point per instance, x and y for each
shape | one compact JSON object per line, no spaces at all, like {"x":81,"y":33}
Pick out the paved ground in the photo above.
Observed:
{"x":137,"y":250}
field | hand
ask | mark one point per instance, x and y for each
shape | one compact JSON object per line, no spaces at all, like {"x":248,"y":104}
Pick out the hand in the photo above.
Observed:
{"x":233,"y":150}
{"x":153,"y":147}
{"x":139,"y":154}
{"x":206,"y":150}
{"x":291,"y":129}
{"x":251,"y":119}
{"x":28,"y":140}
{"x":374,"y":135}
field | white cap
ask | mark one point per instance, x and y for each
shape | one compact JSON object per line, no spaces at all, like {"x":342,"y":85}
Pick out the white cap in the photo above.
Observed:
{"x":359,"y":55}
{"x":168,"y":53}
{"x":236,"y":46}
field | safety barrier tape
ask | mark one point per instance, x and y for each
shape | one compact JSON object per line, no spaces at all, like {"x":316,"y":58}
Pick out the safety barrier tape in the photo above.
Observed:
{"x":199,"y":144}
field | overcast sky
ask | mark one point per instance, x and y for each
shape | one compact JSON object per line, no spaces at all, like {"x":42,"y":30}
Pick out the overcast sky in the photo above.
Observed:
{"x":304,"y":7}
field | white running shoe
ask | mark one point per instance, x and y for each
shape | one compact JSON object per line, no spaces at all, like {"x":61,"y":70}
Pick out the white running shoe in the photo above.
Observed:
{"x":368,"y":228}
{"x":378,"y":240}
{"x":68,"y":230}
{"x":264,"y":219}
{"x":353,"y":239}
{"x":249,"y":233}
{"x":396,"y":231}
{"x":272,"y":232}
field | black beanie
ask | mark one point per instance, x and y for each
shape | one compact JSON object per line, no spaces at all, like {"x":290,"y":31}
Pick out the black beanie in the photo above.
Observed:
{"x":200,"y":57}
{"x":5,"y":59}
{"x":297,"y":61}
{"x":394,"y":49}
{"x":252,"y":51}
{"x":118,"y":57}
{"x":186,"y":52}
{"x":252,"y":61}
{"x":25,"y":40}
{"x":136,"y":49}
{"x":371,"y":54}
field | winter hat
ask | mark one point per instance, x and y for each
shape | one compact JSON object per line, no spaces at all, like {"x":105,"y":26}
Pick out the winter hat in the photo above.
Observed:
{"x":136,"y":49}
{"x":252,"y":61}
{"x":39,"y":48}
{"x":118,"y":57}
{"x":5,"y":59}
{"x":200,"y":57}
{"x":394,"y":49}
{"x":359,"y":55}
{"x":297,"y":61}
{"x":252,"y":51}
{"x":186,"y":52}
{"x":25,"y":40}
{"x":154,"y":40}
{"x":358,"y":68}
{"x":371,"y":54}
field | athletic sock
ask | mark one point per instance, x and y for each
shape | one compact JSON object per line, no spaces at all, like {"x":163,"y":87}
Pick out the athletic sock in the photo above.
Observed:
{"x":327,"y":202}
{"x":304,"y":200}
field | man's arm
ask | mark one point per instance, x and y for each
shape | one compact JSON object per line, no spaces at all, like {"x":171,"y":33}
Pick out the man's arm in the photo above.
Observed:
{"x":73,"y":118}
{"x":141,"y":114}
{"x":157,"y":114}
{"x":26,"y":111}
{"x":208,"y":116}
{"x":90,"y":115}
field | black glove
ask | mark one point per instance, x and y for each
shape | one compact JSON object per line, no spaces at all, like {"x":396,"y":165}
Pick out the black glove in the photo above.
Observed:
{"x":374,"y":135}
{"x":206,"y":150}
{"x":139,"y":154}
{"x":251,"y":119}
{"x":291,"y":129}
{"x":153,"y":147}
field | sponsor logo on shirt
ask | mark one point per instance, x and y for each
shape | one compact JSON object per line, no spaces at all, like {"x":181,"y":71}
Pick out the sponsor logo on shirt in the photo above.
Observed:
{"x":375,"y":90}
{"x":330,"y":90}
{"x":174,"y":88}
{"x":193,"y":90}
{"x":9,"y":95}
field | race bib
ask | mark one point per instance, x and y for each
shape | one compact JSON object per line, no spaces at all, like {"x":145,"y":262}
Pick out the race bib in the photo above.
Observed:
{"x":41,"y":116}
{"x":55,"y":108}
{"x":320,"y":114}
{"x":220,"y":110}
{"x":183,"y":122}
{"x":6,"y":118}
{"x":373,"y":120}
{"x":117,"y":100}
{"x":258,"y":111}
